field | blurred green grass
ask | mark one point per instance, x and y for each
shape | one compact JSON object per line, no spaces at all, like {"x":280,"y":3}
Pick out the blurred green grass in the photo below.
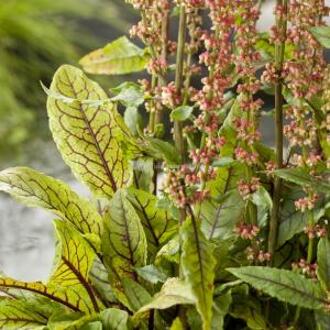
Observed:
{"x":36,"y":36}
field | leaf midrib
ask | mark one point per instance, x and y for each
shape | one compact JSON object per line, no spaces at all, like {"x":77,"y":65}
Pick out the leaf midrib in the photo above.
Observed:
{"x":303,"y":293}
{"x":91,"y":132}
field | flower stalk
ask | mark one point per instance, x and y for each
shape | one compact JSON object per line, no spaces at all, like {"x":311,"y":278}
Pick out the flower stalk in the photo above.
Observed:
{"x":178,"y":134}
{"x":279,"y":60}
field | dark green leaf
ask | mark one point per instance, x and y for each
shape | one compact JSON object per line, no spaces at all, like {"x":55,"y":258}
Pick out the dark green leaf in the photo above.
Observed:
{"x":302,"y":178}
{"x":284,"y":285}
{"x":323,"y":263}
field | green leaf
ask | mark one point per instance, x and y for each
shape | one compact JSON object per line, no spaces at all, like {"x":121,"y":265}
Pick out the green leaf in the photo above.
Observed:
{"x":118,"y":57}
{"x":302,"y":178}
{"x":158,"y":224}
{"x":174,"y":292}
{"x":219,"y":217}
{"x":292,"y":220}
{"x":16,"y":314}
{"x":144,"y":173}
{"x":224,"y":162}
{"x":73,"y":267}
{"x":162,"y":150}
{"x":221,"y":306}
{"x":323,"y":263}
{"x":129,"y":94}
{"x":133,"y":120}
{"x":38,"y":190}
{"x":99,"y":277}
{"x":151,"y":274}
{"x":322,"y":35}
{"x":198,"y":268}
{"x":182,"y":113}
{"x":284,"y":285}
{"x":93,"y":141}
{"x":123,"y":243}
{"x":170,"y":251}
{"x":261,"y":198}
{"x":136,"y":294}
{"x":114,"y":319}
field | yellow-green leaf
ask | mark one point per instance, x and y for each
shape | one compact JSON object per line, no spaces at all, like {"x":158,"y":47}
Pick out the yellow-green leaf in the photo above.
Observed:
{"x":93,"y":139}
{"x":158,"y":223}
{"x":118,"y":57}
{"x":174,"y":292}
{"x":123,"y":243}
{"x":198,"y":266}
{"x":74,"y":264}
{"x":66,"y":297}
{"x":15,"y":314}
{"x":36,"y":189}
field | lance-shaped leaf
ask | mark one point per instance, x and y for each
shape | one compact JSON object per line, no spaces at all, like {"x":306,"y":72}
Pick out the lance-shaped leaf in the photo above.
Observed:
{"x":302,"y":178}
{"x":39,"y":190}
{"x":158,"y":224}
{"x":219,"y":217}
{"x":174,"y":292}
{"x":74,"y":264}
{"x":323,"y":262}
{"x":16,"y":314}
{"x":118,"y":57}
{"x":123,"y":243}
{"x":284,"y":285}
{"x":93,"y":140}
{"x":198,"y":267}
{"x":67,"y":297}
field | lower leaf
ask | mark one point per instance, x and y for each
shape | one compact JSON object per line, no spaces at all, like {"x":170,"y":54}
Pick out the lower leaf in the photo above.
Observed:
{"x":198,"y":267}
{"x":284,"y":285}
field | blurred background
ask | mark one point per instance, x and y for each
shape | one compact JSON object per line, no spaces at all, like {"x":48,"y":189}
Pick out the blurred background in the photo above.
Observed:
{"x":36,"y":37}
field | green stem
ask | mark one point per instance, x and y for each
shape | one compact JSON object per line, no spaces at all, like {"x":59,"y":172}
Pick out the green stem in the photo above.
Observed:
{"x":164,"y":55}
{"x":178,"y":136}
{"x":279,"y":59}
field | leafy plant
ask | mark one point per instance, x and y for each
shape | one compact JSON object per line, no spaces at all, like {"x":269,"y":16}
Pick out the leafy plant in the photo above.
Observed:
{"x":235,"y":236}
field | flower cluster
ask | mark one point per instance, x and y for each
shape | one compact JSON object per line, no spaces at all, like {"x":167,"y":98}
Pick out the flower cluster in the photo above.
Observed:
{"x":308,"y":269}
{"x":302,"y":74}
{"x":184,"y":186}
{"x":313,"y":231}
{"x":254,"y":254}
{"x":247,"y":231}
{"x":306,"y":203}
{"x":247,"y":188}
{"x":153,"y":24}
{"x":245,"y":59}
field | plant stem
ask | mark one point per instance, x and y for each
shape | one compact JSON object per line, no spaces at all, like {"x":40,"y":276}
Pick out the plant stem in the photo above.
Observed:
{"x":164,"y":54}
{"x":178,"y":136}
{"x":281,"y":24}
